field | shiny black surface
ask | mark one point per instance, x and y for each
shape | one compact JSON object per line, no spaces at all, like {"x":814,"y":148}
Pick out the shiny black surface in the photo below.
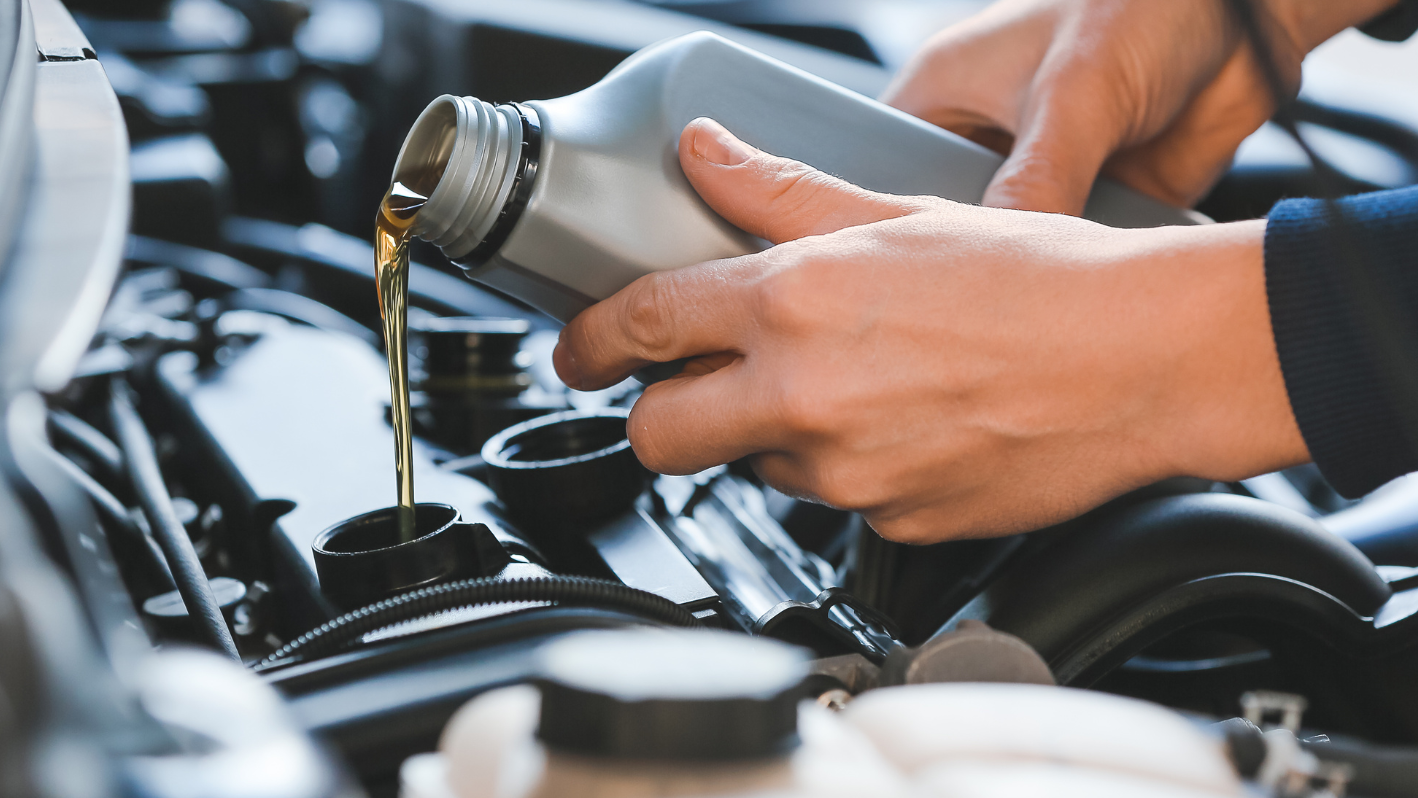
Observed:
{"x":246,"y":335}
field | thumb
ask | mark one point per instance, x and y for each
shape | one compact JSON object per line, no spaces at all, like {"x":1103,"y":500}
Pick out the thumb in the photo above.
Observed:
{"x":1062,"y":143}
{"x":776,"y":198}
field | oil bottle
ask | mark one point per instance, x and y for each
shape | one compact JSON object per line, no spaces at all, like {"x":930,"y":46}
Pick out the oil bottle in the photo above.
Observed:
{"x":563,"y":202}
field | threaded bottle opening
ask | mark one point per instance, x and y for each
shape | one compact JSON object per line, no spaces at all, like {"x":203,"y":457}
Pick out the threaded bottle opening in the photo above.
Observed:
{"x":462,"y":154}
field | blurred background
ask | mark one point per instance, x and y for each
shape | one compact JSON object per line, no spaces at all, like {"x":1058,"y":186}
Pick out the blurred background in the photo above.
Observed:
{"x":293,"y":110}
{"x":263,"y":133}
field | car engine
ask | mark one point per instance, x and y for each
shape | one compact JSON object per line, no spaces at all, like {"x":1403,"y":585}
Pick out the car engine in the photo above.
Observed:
{"x":196,"y":410}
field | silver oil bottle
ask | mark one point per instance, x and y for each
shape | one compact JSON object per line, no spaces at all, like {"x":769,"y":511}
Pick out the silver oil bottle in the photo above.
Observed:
{"x":563,"y":202}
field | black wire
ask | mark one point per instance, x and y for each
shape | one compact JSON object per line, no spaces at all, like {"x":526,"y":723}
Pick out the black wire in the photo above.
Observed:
{"x":1390,"y":328}
{"x":112,"y":511}
{"x":1252,"y":27}
{"x":94,"y":445}
{"x":1393,"y":136}
{"x":192,"y":582}
{"x":332,"y":635}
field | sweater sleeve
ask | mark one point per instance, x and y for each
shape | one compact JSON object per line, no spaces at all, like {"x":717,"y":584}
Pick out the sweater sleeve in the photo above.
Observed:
{"x":1342,"y":280}
{"x":1395,"y":24}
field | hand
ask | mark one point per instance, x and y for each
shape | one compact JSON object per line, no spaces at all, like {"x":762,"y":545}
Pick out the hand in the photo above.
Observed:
{"x":1158,"y":94}
{"x":947,"y":370}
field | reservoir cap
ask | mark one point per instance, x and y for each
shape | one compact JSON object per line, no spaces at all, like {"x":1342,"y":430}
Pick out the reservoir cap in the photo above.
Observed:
{"x":671,"y":695}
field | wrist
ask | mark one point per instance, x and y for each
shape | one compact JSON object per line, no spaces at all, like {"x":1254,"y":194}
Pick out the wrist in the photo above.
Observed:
{"x":1224,"y":413}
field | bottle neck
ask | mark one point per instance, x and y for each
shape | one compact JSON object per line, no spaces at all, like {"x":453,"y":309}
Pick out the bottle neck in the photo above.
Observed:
{"x":485,"y":158}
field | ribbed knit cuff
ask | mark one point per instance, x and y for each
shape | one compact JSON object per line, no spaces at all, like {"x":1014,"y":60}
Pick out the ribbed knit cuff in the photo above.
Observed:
{"x":1395,"y":24}
{"x":1342,"y":279}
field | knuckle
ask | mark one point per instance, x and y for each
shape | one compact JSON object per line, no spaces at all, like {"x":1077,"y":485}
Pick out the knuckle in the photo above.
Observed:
{"x":801,"y":410}
{"x":783,"y":302}
{"x":798,"y":186}
{"x":647,"y":320}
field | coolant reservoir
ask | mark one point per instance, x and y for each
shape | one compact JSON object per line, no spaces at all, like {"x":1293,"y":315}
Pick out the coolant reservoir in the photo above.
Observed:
{"x":563,"y":202}
{"x":654,"y":714}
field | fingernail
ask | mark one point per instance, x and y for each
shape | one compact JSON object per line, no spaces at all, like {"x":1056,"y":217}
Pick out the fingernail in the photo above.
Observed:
{"x":715,"y":144}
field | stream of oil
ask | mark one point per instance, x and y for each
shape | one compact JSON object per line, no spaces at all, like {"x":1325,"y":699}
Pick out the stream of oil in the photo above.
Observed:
{"x":391,"y":275}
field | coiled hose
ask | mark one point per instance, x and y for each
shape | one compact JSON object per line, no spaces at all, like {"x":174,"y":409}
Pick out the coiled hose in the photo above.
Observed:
{"x":332,"y":635}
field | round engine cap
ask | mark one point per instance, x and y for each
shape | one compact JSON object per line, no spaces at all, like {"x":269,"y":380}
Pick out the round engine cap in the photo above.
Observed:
{"x":670,"y":695}
{"x":566,"y":471}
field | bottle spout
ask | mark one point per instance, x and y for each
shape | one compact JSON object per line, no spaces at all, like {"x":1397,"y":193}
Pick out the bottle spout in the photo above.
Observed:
{"x":475,"y":162}
{"x":427,"y":148}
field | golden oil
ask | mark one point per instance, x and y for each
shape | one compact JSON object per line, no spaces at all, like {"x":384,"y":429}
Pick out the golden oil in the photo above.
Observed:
{"x":391,"y":277}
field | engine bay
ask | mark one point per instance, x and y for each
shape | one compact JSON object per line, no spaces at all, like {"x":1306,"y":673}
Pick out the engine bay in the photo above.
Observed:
{"x":229,"y":421}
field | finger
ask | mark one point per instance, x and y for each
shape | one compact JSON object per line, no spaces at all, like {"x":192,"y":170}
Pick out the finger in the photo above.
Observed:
{"x":776,"y":198}
{"x":686,"y":424}
{"x":1181,"y":164}
{"x":1068,"y":129}
{"x":967,"y":78}
{"x":980,"y":129}
{"x":660,"y":317}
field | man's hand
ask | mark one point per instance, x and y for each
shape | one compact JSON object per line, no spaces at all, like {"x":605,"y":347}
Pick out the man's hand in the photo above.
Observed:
{"x":947,"y":370}
{"x":1158,"y":94}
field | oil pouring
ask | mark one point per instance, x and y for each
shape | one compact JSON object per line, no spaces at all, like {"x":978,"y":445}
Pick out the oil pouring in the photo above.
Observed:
{"x":391,"y":276}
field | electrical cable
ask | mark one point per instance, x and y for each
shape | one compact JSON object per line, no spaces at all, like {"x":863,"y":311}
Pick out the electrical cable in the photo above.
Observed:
{"x":1389,"y":326}
{"x":111,"y":510}
{"x":330,"y":636}
{"x":148,"y":486}
{"x":1380,"y":771}
{"x":94,"y":445}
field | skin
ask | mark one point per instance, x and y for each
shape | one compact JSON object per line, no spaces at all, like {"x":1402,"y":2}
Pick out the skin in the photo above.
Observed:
{"x":1155,"y":95}
{"x":956,"y":371}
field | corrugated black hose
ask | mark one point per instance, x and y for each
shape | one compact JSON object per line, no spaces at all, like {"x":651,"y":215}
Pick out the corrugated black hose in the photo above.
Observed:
{"x":148,"y":486}
{"x":575,"y":590}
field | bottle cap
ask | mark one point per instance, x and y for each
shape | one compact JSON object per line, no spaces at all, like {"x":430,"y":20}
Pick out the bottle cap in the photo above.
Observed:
{"x":671,"y":695}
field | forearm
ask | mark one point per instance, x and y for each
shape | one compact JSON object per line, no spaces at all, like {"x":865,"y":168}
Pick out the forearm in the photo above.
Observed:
{"x":1222,"y":410}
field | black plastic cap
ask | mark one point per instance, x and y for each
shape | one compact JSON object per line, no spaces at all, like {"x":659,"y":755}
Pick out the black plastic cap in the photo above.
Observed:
{"x":568,"y":469}
{"x":472,"y":354}
{"x":671,"y":695}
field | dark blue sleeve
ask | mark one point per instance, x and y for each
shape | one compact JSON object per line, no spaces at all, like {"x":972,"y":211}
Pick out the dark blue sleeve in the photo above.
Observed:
{"x":1342,"y":278}
{"x":1396,"y":24}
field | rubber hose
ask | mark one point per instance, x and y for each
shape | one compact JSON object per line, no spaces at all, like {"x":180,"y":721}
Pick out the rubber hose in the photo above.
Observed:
{"x":96,"y":446}
{"x":148,"y":486}
{"x":334,"y":634}
{"x":1380,"y":771}
{"x":112,"y":511}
